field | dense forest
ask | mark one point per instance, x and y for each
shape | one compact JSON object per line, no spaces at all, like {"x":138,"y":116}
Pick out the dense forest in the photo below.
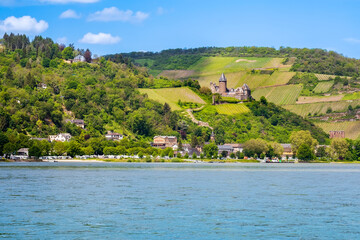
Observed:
{"x":307,"y":60}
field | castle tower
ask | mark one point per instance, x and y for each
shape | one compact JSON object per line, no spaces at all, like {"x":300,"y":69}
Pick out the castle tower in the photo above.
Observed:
{"x":222,"y":84}
{"x":247,"y":91}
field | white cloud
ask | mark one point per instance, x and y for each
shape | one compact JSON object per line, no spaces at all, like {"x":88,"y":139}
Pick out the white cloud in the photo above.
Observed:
{"x":69,"y":14}
{"x":70,"y":1}
{"x":62,"y":40}
{"x":100,"y":38}
{"x":352,"y":40}
{"x":114,"y":14}
{"x":25,"y":24}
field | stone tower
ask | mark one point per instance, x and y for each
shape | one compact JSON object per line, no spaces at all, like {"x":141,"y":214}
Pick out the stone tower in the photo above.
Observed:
{"x":222,"y":84}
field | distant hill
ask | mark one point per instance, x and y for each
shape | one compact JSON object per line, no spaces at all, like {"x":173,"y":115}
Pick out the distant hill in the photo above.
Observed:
{"x":306,"y":60}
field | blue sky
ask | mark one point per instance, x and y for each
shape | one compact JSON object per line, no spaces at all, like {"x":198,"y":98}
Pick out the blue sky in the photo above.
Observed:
{"x":108,"y":26}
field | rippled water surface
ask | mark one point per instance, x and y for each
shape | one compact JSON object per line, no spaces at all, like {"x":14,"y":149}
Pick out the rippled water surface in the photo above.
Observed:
{"x":179,"y":201}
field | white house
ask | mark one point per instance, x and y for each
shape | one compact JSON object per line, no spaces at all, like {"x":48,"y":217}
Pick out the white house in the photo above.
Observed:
{"x":61,"y":137}
{"x":79,"y":58}
{"x":113,"y":136}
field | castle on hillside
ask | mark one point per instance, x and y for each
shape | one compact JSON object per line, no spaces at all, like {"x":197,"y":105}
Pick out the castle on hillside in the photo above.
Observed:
{"x":241,"y":93}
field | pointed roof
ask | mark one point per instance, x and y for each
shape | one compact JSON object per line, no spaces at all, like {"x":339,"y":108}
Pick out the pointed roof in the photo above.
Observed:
{"x":245,"y":87}
{"x":222,"y":78}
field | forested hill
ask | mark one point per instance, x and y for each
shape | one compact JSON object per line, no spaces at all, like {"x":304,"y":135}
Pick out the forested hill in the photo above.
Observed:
{"x":307,"y":60}
{"x":42,"y":88}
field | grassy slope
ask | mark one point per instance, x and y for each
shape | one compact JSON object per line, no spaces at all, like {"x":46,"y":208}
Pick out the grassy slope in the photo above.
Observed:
{"x":230,"y":109}
{"x":352,"y":96}
{"x":279,"y":95}
{"x":321,"y":107}
{"x":172,"y":96}
{"x":352,"y":129}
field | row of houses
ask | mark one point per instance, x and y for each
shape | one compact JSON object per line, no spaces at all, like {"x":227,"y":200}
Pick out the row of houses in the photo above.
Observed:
{"x":171,"y":141}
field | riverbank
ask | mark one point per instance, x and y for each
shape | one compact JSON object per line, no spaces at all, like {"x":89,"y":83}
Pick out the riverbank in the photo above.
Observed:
{"x":174,"y":160}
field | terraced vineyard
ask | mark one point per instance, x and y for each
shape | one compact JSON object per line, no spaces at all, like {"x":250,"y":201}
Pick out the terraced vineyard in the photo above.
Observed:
{"x":253,"y":80}
{"x":279,"y":95}
{"x":352,"y":129}
{"x":316,"y":99}
{"x":321,"y":107}
{"x":231,"y":109}
{"x":172,"y":96}
{"x":325,"y":77}
{"x":278,"y":78}
{"x":323,"y":87}
{"x":217,"y":65}
{"x":176,"y":74}
{"x":274,"y":63}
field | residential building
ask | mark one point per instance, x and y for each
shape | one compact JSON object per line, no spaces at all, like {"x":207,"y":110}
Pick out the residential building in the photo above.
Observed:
{"x":225,"y":148}
{"x":237,"y":147}
{"x":78,"y":122}
{"x":113,"y":136}
{"x":61,"y":137}
{"x":21,"y":154}
{"x":79,"y":58}
{"x":164,"y":141}
{"x":287,"y":150}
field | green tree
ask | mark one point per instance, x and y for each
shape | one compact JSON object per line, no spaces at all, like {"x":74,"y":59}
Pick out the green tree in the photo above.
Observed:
{"x":9,"y":148}
{"x":302,"y":137}
{"x":59,"y":148}
{"x":34,"y":151}
{"x":74,"y":149}
{"x":304,"y":152}
{"x":46,"y":62}
{"x":277,"y":149}
{"x":321,"y":151}
{"x":255,"y":146}
{"x":88,"y":150}
{"x":3,"y":140}
{"x":210,"y":150}
{"x":339,"y":148}
{"x":67,"y":53}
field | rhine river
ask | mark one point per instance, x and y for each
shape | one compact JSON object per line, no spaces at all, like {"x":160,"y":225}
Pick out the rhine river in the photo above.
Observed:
{"x":179,"y":201}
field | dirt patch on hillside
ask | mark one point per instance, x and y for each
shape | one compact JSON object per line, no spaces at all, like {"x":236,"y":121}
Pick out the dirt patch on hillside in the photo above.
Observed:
{"x":177,"y":74}
{"x":245,"y":60}
{"x":303,"y":100}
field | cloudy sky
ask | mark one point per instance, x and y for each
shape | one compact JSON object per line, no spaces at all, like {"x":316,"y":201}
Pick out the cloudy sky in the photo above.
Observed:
{"x":111,"y":26}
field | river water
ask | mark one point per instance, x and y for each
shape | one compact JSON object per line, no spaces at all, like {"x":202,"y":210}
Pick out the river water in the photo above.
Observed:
{"x":179,"y":201}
